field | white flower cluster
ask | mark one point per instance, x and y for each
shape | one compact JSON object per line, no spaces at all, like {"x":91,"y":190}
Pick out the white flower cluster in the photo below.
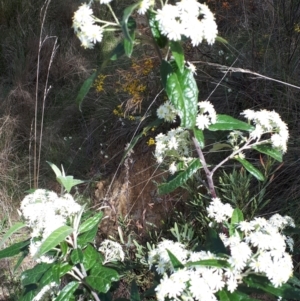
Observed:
{"x":218,"y":211}
{"x":256,"y":247}
{"x":261,"y":248}
{"x":84,"y":26}
{"x":167,"y":112}
{"x":112,"y":251}
{"x":207,"y":115}
{"x":269,"y":122}
{"x":174,"y":144}
{"x":183,"y":19}
{"x":44,"y":211}
{"x":193,"y":282}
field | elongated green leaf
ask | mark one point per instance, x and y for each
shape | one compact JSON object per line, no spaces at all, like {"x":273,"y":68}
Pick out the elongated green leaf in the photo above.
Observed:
{"x":270,"y":151}
{"x":64,"y":248}
{"x":128,"y":44}
{"x":85,"y":88}
{"x":14,"y":249}
{"x":67,"y":292}
{"x":134,"y":292}
{"x":182,"y":91}
{"x":126,"y":15}
{"x":251,"y":169}
{"x":214,"y":243}
{"x":64,"y":268}
{"x":91,"y":257}
{"x":237,"y":216}
{"x":285,"y":290}
{"x":54,"y":239}
{"x":101,"y":277}
{"x":175,"y":262}
{"x":76,"y":256}
{"x":91,"y":222}
{"x":165,"y":71}
{"x":35,"y":274}
{"x":160,"y":39}
{"x":218,"y":146}
{"x":218,"y":263}
{"x":228,"y":123}
{"x":23,"y":255}
{"x":180,"y":178}
{"x":224,"y":295}
{"x":56,"y":170}
{"x":199,"y":136}
{"x":87,"y":236}
{"x":16,"y":227}
{"x":68,"y":182}
{"x":29,"y":293}
{"x":178,"y":54}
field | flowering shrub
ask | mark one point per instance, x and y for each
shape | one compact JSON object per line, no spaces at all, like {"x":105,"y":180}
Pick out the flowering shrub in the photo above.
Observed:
{"x":239,"y":256}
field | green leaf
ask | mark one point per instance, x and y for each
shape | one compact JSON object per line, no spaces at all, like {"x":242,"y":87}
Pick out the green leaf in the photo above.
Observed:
{"x":182,"y":91}
{"x":55,"y":272}
{"x":228,"y":123}
{"x":14,"y":249}
{"x":76,"y":256}
{"x":165,"y":70}
{"x":214,"y":243}
{"x":237,"y":216}
{"x":29,"y":293}
{"x":117,"y":52}
{"x":67,"y":292}
{"x":180,"y":178}
{"x":91,"y":222}
{"x":128,"y":44}
{"x":218,"y":263}
{"x":54,"y":239}
{"x":87,"y":236}
{"x":160,"y":39}
{"x":35,"y":274}
{"x":11,"y":231}
{"x":100,"y":278}
{"x":270,"y":151}
{"x":23,"y":255}
{"x":285,"y":290}
{"x":56,"y":170}
{"x":68,"y":182}
{"x":64,"y":268}
{"x":134,"y":292}
{"x":64,"y":248}
{"x":91,"y":257}
{"x":128,"y":25}
{"x":218,"y":146}
{"x":223,"y":296}
{"x":251,"y":169}
{"x":199,"y":136}
{"x":175,"y":262}
{"x":178,"y":54}
{"x":85,"y":88}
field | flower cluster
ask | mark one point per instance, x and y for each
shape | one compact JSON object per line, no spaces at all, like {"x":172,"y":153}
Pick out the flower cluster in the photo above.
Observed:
{"x":269,"y":122}
{"x":84,"y":26}
{"x":255,"y":247}
{"x":191,"y":282}
{"x":44,"y":211}
{"x":144,"y":6}
{"x":183,"y":19}
{"x":207,"y":115}
{"x":112,"y":251}
{"x":218,"y":211}
{"x":175,"y":144}
{"x":167,"y":112}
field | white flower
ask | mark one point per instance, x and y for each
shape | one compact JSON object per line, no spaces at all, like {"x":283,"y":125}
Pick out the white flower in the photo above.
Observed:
{"x":167,"y":112}
{"x":144,"y":6}
{"x":172,"y":168}
{"x":105,"y":1}
{"x":206,"y":116}
{"x":112,"y":251}
{"x":192,"y":67}
{"x":83,"y":15}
